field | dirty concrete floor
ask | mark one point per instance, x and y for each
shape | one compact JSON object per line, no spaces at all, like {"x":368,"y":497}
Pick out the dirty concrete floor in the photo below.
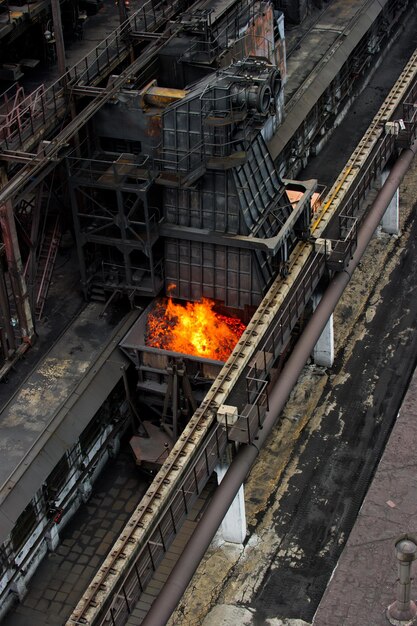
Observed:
{"x":63,"y":575}
{"x":305,"y":490}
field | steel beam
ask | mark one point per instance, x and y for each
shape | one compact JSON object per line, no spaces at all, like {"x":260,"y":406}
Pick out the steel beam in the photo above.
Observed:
{"x":53,"y":151}
{"x":14,"y":262}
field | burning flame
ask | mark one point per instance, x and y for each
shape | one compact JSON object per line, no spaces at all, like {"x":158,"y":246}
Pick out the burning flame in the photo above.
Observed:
{"x":193,"y":329}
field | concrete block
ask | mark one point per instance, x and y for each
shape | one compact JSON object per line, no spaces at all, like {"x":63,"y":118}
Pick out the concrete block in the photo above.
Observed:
{"x":227,"y":415}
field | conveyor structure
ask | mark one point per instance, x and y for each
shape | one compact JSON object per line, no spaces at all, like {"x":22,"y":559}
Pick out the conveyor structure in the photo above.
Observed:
{"x":189,"y":465}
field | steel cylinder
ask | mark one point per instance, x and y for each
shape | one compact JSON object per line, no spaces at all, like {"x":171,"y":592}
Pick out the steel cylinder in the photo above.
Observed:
{"x":403,"y":609}
{"x":275,"y":83}
{"x":256,"y":97}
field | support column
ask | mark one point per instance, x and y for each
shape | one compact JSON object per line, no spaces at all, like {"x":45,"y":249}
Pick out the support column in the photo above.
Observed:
{"x":59,"y":38}
{"x":19,"y":587}
{"x":85,"y":490}
{"x":14,"y":263}
{"x":8,"y":342}
{"x":52,"y":538}
{"x":34,"y":241}
{"x":323,"y":352}
{"x":233,"y":526}
{"x":390,"y":223}
{"x":77,"y":232}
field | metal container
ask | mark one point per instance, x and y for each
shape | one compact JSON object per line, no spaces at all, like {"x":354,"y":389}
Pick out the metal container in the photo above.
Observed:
{"x":154,"y":361}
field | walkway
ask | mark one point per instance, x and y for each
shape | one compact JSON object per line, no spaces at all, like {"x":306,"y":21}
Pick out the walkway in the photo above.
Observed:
{"x":63,"y":575}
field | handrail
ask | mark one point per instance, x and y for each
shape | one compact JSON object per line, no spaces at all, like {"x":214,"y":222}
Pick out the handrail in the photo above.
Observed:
{"x":90,"y":67}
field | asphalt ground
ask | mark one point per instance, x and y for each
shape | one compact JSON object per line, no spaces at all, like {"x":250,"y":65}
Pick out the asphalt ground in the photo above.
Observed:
{"x":338,"y":462}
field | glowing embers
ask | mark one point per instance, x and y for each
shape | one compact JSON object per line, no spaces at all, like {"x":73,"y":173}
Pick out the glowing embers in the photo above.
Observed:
{"x":194,"y":328}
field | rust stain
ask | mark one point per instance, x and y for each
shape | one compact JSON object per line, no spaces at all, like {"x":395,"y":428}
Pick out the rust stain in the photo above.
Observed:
{"x":154,"y":125}
{"x":259,"y":39}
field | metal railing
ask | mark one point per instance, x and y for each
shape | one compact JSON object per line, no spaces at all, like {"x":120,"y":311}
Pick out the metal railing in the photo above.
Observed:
{"x":276,"y":340}
{"x":112,"y":172}
{"x":116,"y":610}
{"x":89,"y":70}
{"x":112,"y":275}
{"x":368,"y":176}
{"x":251,"y":418}
{"x":339,"y":252}
{"x":27,"y":116}
{"x":207,"y":145}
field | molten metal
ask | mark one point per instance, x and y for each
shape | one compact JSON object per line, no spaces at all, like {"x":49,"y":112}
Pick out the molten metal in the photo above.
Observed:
{"x":194,"y":328}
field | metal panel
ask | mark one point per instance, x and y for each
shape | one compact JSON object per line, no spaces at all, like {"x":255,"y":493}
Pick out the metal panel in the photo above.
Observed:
{"x":206,"y":270}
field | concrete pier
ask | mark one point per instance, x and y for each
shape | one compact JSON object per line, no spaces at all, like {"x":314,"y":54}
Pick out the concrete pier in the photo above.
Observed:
{"x":323,"y":353}
{"x":233,"y":527}
{"x":390,"y":223}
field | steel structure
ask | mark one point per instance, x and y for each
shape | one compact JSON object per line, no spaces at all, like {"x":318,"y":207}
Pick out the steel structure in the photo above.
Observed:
{"x":198,"y":151}
{"x":195,"y":185}
{"x":184,"y":569}
{"x":35,"y":143}
{"x":142,"y":544}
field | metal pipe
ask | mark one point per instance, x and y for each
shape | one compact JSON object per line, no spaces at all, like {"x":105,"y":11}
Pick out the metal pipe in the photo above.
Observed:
{"x":204,"y":532}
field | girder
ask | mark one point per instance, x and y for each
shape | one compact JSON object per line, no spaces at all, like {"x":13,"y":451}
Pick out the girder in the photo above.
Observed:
{"x":53,"y":151}
{"x":81,"y":78}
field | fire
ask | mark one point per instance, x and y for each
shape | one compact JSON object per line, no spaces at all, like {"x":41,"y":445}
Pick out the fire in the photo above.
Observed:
{"x":194,"y":328}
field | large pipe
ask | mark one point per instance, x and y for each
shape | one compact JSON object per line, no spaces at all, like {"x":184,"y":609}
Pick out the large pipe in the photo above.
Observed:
{"x":204,"y":532}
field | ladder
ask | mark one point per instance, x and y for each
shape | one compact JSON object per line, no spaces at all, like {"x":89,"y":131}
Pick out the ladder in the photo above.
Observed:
{"x":46,"y":262}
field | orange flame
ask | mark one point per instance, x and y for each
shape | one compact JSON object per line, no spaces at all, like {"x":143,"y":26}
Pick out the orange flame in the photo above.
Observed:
{"x":193,"y":329}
